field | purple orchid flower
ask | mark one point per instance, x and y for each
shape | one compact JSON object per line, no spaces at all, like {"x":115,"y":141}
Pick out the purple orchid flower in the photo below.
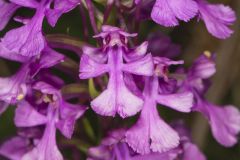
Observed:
{"x":217,"y":17}
{"x":14,"y":88}
{"x":57,"y":114}
{"x":149,"y":133}
{"x":28,"y":40}
{"x":117,"y":98}
{"x":224,"y":121}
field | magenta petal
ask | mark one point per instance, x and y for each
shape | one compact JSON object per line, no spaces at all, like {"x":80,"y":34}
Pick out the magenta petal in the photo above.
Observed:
{"x":191,"y":151}
{"x":224,"y":121}
{"x":69,"y":113}
{"x":7,"y":10}
{"x":110,"y":101}
{"x":47,"y":148}
{"x":217,"y":18}
{"x":225,"y":124}
{"x":143,"y":66}
{"x":182,"y":102}
{"x":27,"y":40}
{"x":105,"y":103}
{"x":27,"y":116}
{"x":66,"y":126}
{"x":204,"y":66}
{"x":48,"y":58}
{"x":26,"y":3}
{"x":166,"y":12}
{"x":95,"y":54}
{"x":138,"y":137}
{"x":60,"y":7}
{"x":15,"y":148}
{"x":14,"y":88}
{"x":90,"y":68}
{"x":162,"y":142}
{"x":137,"y":52}
{"x":149,"y":134}
{"x":10,"y":55}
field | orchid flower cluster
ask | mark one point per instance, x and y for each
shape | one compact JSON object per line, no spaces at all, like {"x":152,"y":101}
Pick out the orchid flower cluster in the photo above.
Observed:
{"x":129,"y":80}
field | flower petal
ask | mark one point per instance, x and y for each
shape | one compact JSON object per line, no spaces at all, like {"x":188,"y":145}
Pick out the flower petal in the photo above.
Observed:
{"x":60,"y":7}
{"x":69,"y":113}
{"x":224,"y":121}
{"x":47,"y":148}
{"x":163,"y":137}
{"x":143,"y":66}
{"x":26,"y":40}
{"x":182,"y":102}
{"x":7,"y":10}
{"x":191,"y":151}
{"x":166,"y":12}
{"x":90,"y":68}
{"x":15,"y":148}
{"x":27,"y":116}
{"x":26,"y":3}
{"x":138,"y":137}
{"x":217,"y":18}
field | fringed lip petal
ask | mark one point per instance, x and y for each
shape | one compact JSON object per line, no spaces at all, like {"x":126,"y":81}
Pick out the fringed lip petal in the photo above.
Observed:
{"x":167,"y":12}
{"x":217,"y":18}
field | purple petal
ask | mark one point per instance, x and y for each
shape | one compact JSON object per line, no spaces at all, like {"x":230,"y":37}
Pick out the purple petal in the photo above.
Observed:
{"x":163,"y":137}
{"x":95,"y":54}
{"x":26,"y":3}
{"x":151,"y":133}
{"x":204,"y":66}
{"x":137,"y":52}
{"x":117,"y":99}
{"x":69,"y":114}
{"x":27,"y":40}
{"x":90,"y":68}
{"x":27,"y":116}
{"x":191,"y":151}
{"x":15,"y":148}
{"x":60,"y":7}
{"x":182,"y":102}
{"x":7,"y":10}
{"x":143,"y":66}
{"x":66,"y":126}
{"x":170,"y":155}
{"x":224,"y":121}
{"x":138,"y":137}
{"x":217,"y":18}
{"x":48,"y":58}
{"x":166,"y":12}
{"x":10,"y":55}
{"x":47,"y":148}
{"x":14,"y":88}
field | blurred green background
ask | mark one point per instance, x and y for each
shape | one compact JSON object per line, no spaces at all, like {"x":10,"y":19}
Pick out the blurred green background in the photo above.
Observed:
{"x":193,"y":39}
